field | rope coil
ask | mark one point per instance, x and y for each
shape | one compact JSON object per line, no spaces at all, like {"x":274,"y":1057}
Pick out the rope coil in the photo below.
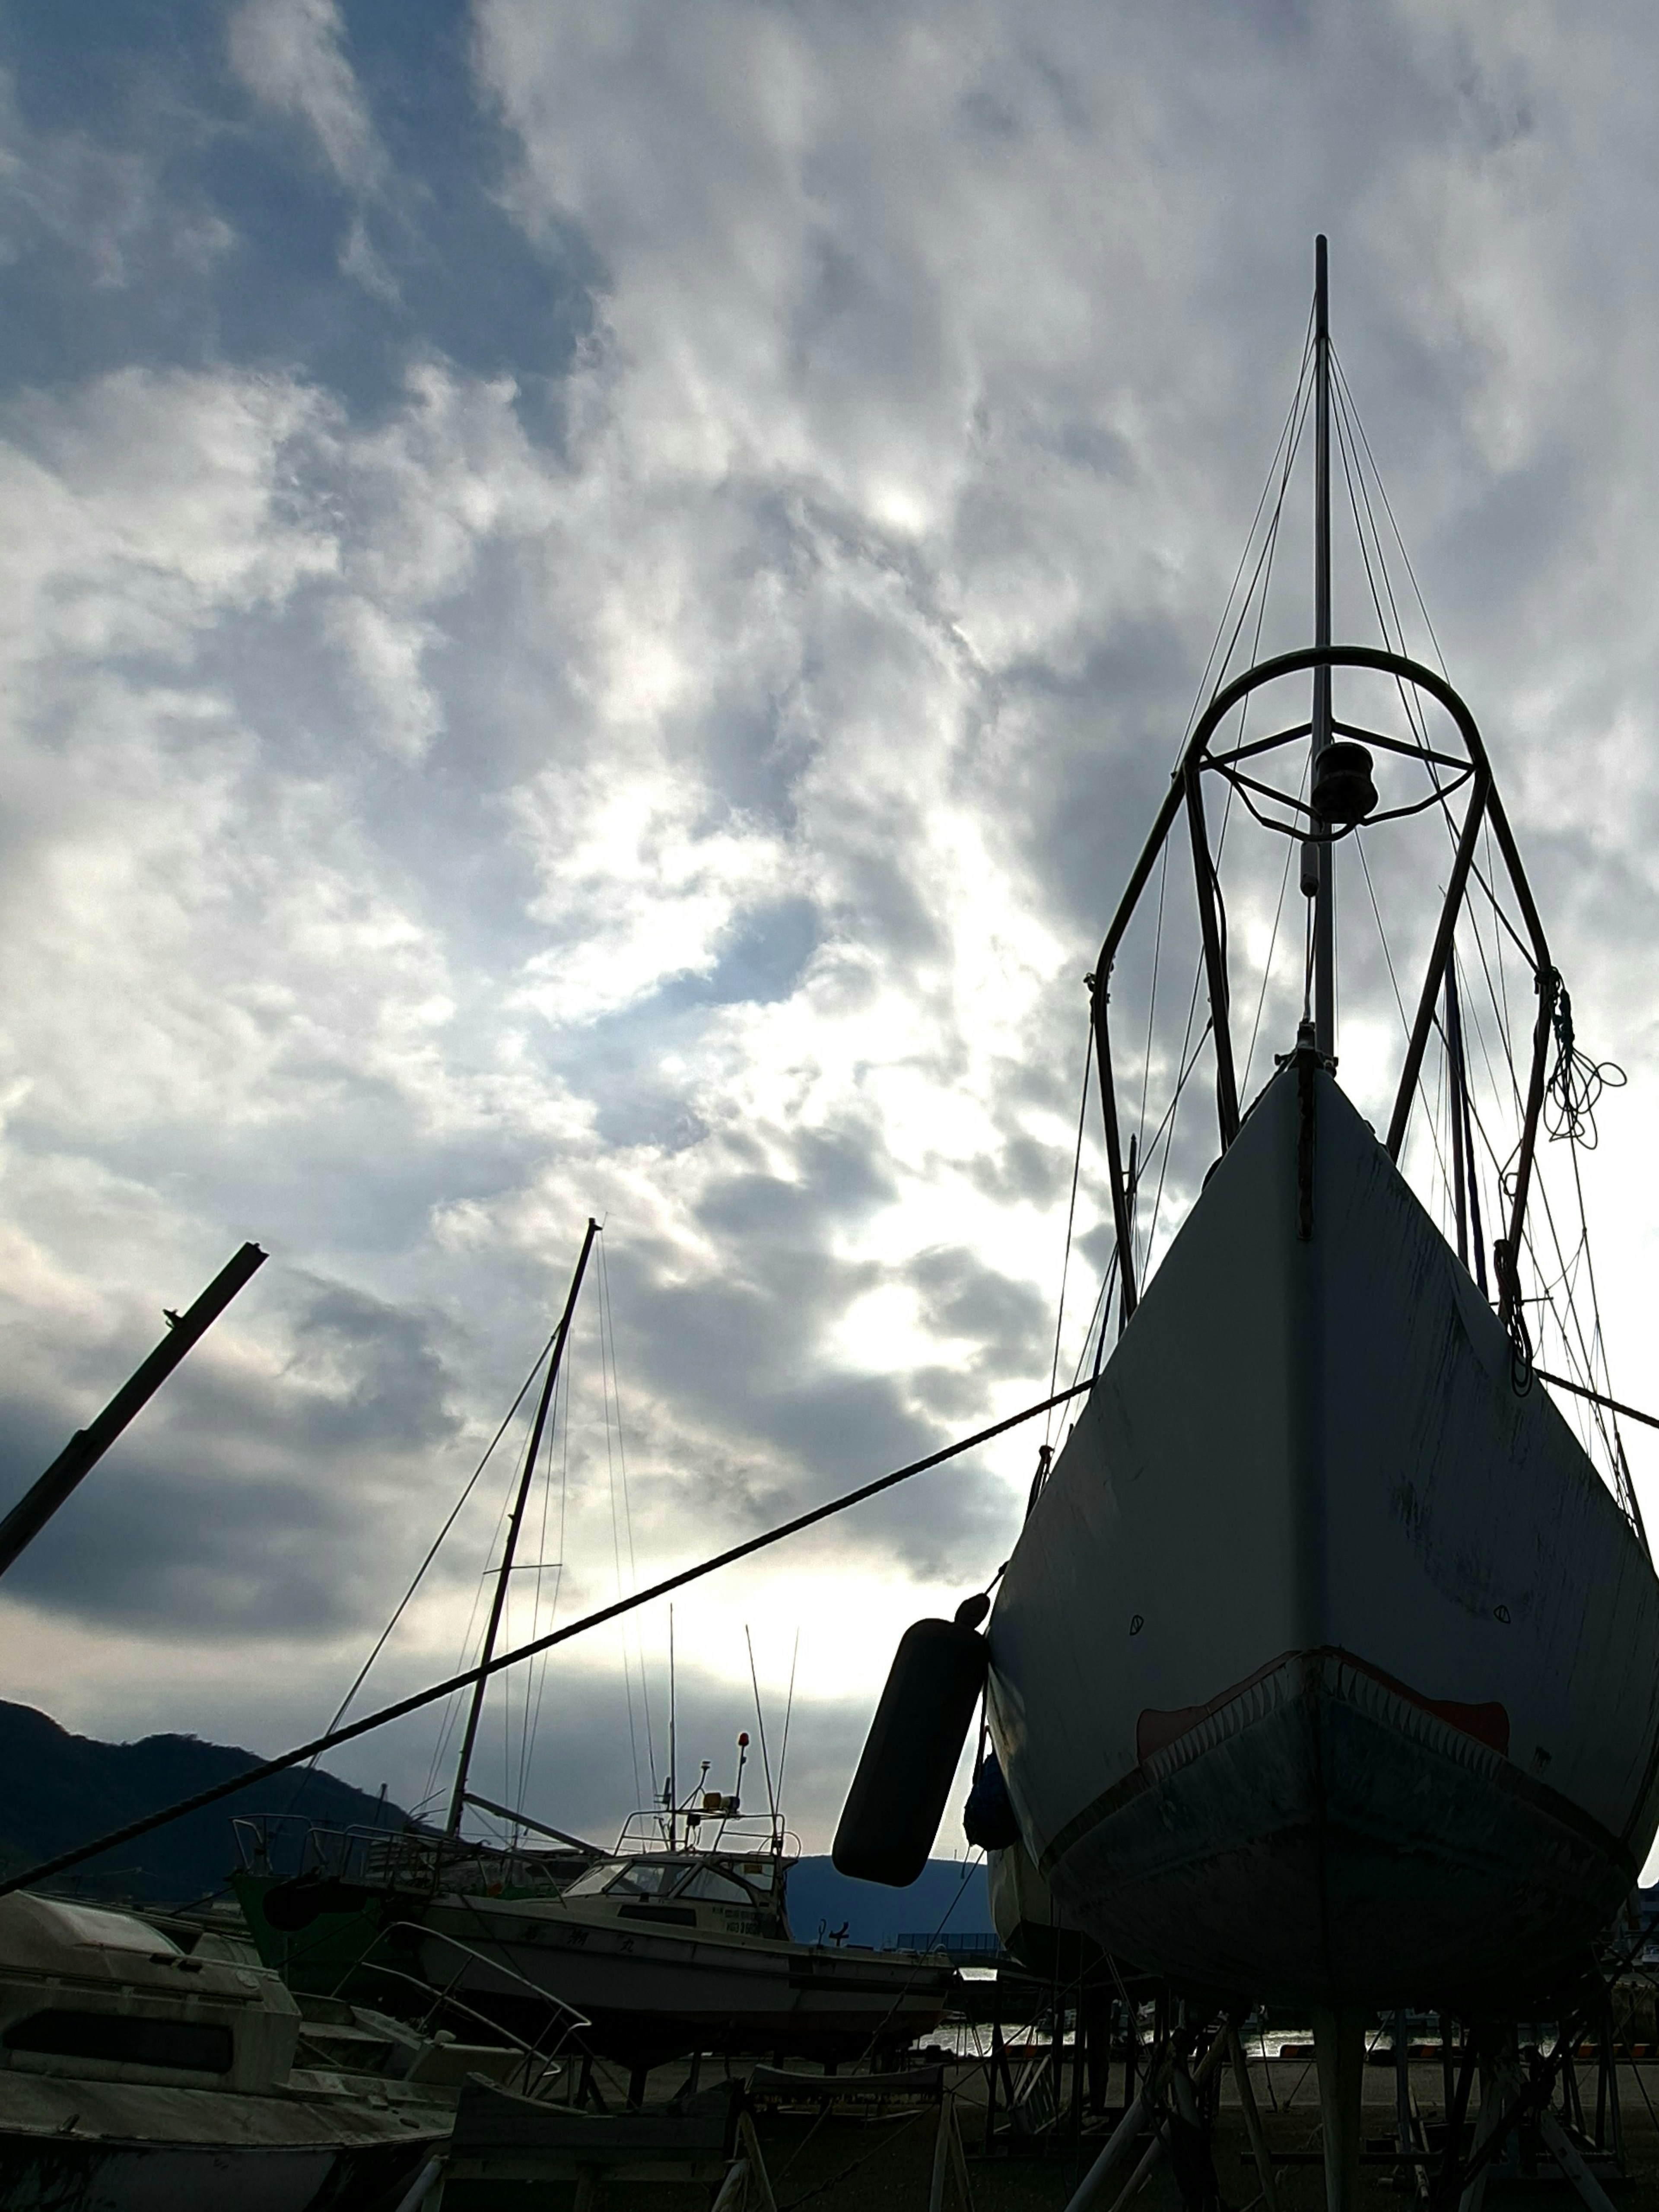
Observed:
{"x":1577,"y":1082}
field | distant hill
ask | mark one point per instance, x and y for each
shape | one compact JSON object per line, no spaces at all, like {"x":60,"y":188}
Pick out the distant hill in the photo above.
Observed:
{"x":61,"y":1790}
{"x":949,"y":1900}
{"x":57,"y":1790}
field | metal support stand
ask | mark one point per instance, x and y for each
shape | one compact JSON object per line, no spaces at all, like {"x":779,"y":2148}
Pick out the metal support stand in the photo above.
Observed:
{"x":949,"y":2157}
{"x":1500,"y":2084}
{"x":992,"y":2064}
{"x":1340,"y":2054}
{"x":1145,"y":2110}
{"x":1253,"y":2127}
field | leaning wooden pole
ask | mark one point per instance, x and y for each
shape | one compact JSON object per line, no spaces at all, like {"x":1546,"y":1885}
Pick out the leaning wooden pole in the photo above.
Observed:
{"x":88,"y":1446}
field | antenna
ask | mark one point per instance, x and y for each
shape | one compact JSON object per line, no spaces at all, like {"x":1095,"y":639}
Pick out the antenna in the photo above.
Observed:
{"x":1318,"y":855}
{"x":498,"y":1603}
{"x":789,"y":1707}
{"x":760,"y":1723}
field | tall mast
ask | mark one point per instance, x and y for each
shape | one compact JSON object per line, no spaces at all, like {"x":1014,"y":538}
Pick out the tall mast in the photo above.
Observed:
{"x":498,"y":1602}
{"x":673,"y":1785}
{"x":1318,"y":857}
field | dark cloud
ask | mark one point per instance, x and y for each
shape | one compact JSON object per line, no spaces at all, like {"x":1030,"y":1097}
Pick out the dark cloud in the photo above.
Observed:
{"x":248,"y":1504}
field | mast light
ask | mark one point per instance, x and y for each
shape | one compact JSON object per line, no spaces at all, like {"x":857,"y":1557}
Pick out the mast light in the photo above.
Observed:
{"x":1343,"y":792}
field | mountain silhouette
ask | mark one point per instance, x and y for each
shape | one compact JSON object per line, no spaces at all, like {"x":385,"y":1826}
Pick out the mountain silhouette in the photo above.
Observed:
{"x":63,"y":1789}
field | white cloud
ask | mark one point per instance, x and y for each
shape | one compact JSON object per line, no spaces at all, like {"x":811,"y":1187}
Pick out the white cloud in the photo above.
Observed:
{"x":290,"y":55}
{"x":704,"y":811}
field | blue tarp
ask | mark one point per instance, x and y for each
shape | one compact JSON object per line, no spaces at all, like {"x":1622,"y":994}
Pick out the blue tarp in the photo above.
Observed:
{"x":948,"y":1899}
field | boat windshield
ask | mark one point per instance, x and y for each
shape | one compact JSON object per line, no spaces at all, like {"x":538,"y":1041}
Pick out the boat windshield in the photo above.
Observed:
{"x":628,"y":1878}
{"x":737,"y":1881}
{"x":110,"y":1931}
{"x":722,"y":1888}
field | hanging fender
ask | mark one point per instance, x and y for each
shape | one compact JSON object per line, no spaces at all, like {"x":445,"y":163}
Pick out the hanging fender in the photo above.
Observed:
{"x":894,"y":1808}
{"x":988,"y":1819}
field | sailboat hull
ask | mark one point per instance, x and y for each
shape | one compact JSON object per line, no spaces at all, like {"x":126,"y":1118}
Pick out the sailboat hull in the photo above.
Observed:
{"x":1326,"y":1670}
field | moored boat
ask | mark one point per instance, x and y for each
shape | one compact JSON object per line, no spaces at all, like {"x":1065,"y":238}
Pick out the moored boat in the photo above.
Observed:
{"x":134,"y":2074}
{"x":672,"y":1950}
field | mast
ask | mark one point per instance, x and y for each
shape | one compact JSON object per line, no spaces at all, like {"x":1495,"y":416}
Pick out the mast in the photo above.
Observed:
{"x":673,"y":1786}
{"x":1318,"y":855}
{"x":498,"y":1602}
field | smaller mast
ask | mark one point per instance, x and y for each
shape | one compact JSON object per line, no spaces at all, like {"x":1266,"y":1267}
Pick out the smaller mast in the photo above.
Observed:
{"x":498,"y":1602}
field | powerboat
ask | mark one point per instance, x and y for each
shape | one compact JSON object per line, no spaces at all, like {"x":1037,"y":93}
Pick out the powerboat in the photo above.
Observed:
{"x":136,"y":2073}
{"x":674,"y":1949}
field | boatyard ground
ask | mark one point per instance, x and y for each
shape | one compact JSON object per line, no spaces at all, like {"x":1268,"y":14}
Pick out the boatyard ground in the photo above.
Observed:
{"x":871,"y":2165}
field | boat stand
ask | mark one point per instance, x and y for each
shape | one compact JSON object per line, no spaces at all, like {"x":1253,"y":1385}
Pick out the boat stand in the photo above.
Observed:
{"x":1521,"y":2128}
{"x":1340,"y":2055}
{"x":1043,"y":2091}
{"x":516,"y":2145}
{"x":1172,"y":2105}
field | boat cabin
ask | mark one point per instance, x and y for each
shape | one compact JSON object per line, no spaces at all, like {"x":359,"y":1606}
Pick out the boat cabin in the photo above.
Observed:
{"x":694,"y":1891}
{"x":104,"y":1996}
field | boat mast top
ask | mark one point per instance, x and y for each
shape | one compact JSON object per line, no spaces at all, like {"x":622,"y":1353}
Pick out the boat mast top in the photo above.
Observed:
{"x":1318,"y":854}
{"x":498,"y":1601}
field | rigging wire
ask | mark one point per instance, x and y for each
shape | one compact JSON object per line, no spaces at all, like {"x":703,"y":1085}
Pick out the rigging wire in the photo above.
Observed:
{"x":1383,"y":493}
{"x":536,"y":1673}
{"x":1351,"y":437}
{"x":1151,"y":995}
{"x":1255,"y":595}
{"x":1574,"y":1087}
{"x":1578,"y":1355}
{"x":616,"y":1553}
{"x":454,"y":1514}
{"x":452,"y":1709}
{"x":1576,"y":1082}
{"x":760,"y":1724}
{"x":1094,"y":1316}
{"x":609,"y":1312}
{"x":1273,"y":943}
{"x":608,"y":1316}
{"x":1265,"y":557}
{"x":1405,"y":1019}
{"x":1071,"y":1217}
{"x":1167,"y":1124}
{"x":1348,"y":428}
{"x":434,"y":1693}
{"x":540,"y":1667}
{"x":788,"y":1708}
{"x":1297,"y":404}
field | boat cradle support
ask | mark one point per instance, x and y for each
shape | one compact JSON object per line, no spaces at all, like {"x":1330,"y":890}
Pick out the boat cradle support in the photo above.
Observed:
{"x":1484,"y":809}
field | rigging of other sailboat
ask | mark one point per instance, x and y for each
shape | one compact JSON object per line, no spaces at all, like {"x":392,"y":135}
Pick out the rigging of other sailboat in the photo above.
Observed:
{"x":1326,"y":1666}
{"x":678,"y":1939}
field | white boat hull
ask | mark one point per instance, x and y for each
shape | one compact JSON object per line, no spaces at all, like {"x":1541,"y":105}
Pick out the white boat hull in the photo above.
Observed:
{"x":77,"y":2145}
{"x":651,"y":1993}
{"x":1326,"y":1670}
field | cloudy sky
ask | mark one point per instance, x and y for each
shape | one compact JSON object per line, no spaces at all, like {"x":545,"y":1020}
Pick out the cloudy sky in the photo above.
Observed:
{"x":595,"y":603}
